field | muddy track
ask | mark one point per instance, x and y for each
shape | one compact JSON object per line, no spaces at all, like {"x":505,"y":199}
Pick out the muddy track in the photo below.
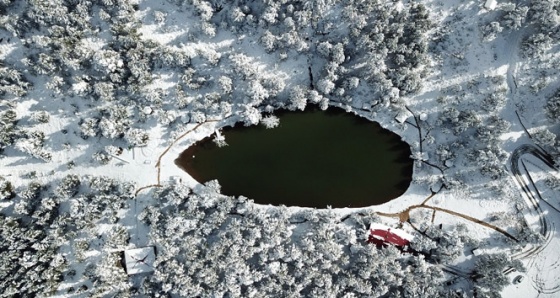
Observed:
{"x":404,"y":216}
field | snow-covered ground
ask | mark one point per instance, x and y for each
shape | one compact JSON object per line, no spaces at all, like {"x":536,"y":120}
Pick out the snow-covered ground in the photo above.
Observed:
{"x":120,"y":88}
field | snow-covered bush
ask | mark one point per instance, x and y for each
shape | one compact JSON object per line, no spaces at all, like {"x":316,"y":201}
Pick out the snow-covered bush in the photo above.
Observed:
{"x":273,"y":86}
{"x":226,"y":84}
{"x":118,"y":121}
{"x":43,"y":64}
{"x":491,"y":131}
{"x":489,"y":277}
{"x":251,"y":116}
{"x":544,"y":14}
{"x":8,"y":117}
{"x":449,"y":244}
{"x":159,"y":16}
{"x":515,"y":16}
{"x":117,"y":237}
{"x":552,"y":107}
{"x":243,"y":65}
{"x":197,"y":117}
{"x":40,"y":117}
{"x":13,"y":82}
{"x":8,"y":128}
{"x":298,"y":98}
{"x":268,"y":41}
{"x":220,"y":140}
{"x":102,"y":184}
{"x":352,"y":83}
{"x":6,"y":189}
{"x":102,"y":157}
{"x":89,"y":127}
{"x":325,"y":85}
{"x":32,"y":191}
{"x":466,"y":120}
{"x":31,"y":142}
{"x":192,"y":80}
{"x":167,"y":117}
{"x":406,"y":80}
{"x":110,"y":278}
{"x":494,"y":102}
{"x":55,"y":84}
{"x":324,"y":49}
{"x":491,"y":30}
{"x":22,"y":207}
{"x":137,"y":137}
{"x":490,"y":161}
{"x":423,"y":244}
{"x":494,"y":171}
{"x":104,"y":91}
{"x":110,"y":128}
{"x":536,"y":45}
{"x":80,"y":88}
{"x":544,"y":137}
{"x":270,"y":121}
{"x":68,"y":186}
{"x":113,"y":150}
{"x":256,"y":93}
{"x":553,"y":183}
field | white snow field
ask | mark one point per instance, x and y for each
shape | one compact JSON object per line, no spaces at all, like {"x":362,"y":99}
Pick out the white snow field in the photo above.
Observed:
{"x":98,"y":98}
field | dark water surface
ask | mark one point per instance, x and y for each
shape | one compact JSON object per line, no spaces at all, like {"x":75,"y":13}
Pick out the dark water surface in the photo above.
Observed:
{"x":313,"y":159}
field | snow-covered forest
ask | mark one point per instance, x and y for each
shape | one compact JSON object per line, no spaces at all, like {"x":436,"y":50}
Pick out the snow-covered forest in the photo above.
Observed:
{"x":98,"y":97}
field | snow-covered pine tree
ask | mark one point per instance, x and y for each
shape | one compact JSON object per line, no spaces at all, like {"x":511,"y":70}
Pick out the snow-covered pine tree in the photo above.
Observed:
{"x":488,"y":275}
{"x":270,"y":121}
{"x":137,"y":137}
{"x":6,"y":189}
{"x":68,"y":186}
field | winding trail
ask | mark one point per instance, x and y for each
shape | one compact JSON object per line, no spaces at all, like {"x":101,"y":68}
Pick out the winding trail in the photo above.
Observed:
{"x":158,"y":163}
{"x":512,"y":65}
{"x":405,"y":215}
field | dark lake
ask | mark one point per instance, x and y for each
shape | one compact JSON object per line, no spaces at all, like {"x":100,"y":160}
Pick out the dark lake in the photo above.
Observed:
{"x":313,"y":159}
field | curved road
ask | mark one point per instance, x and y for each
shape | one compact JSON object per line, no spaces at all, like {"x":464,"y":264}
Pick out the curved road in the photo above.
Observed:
{"x":542,"y":266}
{"x":542,"y":269}
{"x":514,"y":164}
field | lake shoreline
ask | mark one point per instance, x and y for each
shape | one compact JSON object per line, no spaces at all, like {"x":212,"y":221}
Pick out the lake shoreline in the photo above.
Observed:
{"x":311,"y":190}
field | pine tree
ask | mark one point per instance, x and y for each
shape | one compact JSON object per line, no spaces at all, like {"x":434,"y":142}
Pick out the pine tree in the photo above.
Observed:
{"x":270,"y":121}
{"x":68,"y":186}
{"x":489,"y":276}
